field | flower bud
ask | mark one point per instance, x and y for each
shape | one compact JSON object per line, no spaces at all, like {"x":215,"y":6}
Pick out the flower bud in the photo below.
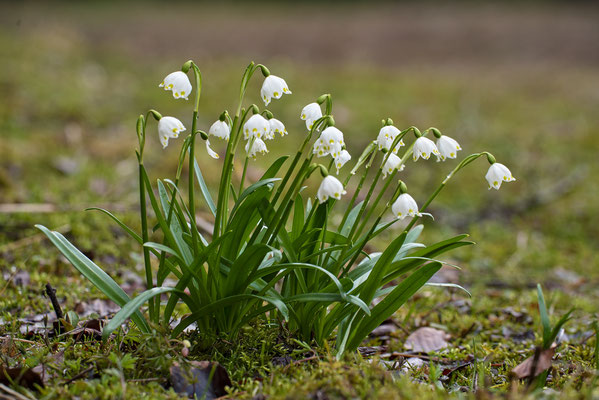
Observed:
{"x":490,"y":158}
{"x":436,"y":132}
{"x":403,"y":188}
{"x":157,"y":116}
{"x":331,"y":120}
{"x":203,"y":135}
{"x":255,"y":109}
{"x":268,"y":114}
{"x":322,"y":98}
{"x":185,"y":68}
{"x":223,"y":116}
{"x":324,"y":172}
{"x":264,"y":70}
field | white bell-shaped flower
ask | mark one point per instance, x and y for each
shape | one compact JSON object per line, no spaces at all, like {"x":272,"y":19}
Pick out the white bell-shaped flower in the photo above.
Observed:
{"x":386,"y":136}
{"x":220,"y":129}
{"x":330,"y":187}
{"x":448,"y":147}
{"x":341,"y":159}
{"x":405,"y":206}
{"x":311,"y":113}
{"x":256,"y":126}
{"x":258,"y":146}
{"x":169,"y":127}
{"x":393,"y":162}
{"x":273,"y":86}
{"x":424,"y":147}
{"x":179,"y":83}
{"x":330,"y":142}
{"x":498,"y":173}
{"x":277,"y":126}
{"x":211,"y":152}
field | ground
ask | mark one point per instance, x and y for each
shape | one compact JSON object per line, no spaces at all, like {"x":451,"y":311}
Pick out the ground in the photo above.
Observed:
{"x":519,"y":80}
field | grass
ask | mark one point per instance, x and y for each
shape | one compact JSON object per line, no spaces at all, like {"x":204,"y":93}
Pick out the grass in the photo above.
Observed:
{"x":67,"y":119}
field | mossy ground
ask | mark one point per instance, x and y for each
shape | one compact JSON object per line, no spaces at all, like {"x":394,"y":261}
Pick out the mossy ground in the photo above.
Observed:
{"x":67,"y":117}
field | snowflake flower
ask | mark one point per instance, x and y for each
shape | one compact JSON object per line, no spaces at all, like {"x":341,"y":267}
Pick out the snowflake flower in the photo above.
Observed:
{"x":179,"y":83}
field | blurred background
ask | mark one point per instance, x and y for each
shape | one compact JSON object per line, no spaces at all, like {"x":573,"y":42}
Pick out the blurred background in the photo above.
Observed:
{"x":520,"y":79}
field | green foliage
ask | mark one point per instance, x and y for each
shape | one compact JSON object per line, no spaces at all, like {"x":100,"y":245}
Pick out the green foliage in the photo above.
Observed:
{"x":273,"y":255}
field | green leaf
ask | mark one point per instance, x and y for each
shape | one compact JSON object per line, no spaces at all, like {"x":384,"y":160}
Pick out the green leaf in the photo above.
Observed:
{"x":544,"y":316}
{"x":392,"y":302}
{"x":131,"y":307}
{"x":119,"y":222}
{"x":93,"y":273}
{"x":204,"y":188}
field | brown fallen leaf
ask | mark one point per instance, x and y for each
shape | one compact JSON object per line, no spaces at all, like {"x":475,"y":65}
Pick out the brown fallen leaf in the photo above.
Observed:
{"x":426,"y":339}
{"x":535,"y":365}
{"x":195,"y":381}
{"x":20,"y":376}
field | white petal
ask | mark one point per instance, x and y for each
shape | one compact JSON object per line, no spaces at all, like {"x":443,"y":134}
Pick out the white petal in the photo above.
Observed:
{"x":211,"y":152}
{"x":178,"y":83}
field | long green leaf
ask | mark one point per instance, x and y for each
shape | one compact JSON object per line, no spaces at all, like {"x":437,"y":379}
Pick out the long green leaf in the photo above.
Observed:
{"x":93,"y":273}
{"x":131,"y":307}
{"x":204,"y":188}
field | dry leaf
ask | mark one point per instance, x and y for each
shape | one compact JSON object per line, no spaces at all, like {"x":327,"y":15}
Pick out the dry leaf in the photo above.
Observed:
{"x":194,"y":381}
{"x":20,"y":376}
{"x":531,"y":368}
{"x":426,"y":339}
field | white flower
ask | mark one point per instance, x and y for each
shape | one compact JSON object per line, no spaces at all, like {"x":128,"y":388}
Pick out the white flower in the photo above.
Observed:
{"x":424,"y":147}
{"x":273,"y":86}
{"x":392,"y":163}
{"x":211,"y":152}
{"x":311,"y":113}
{"x":330,"y":142}
{"x":330,"y":187}
{"x":448,"y":147}
{"x":341,"y":159}
{"x":405,"y":206}
{"x":220,"y":129}
{"x":169,"y":127}
{"x":498,"y":173}
{"x":276,"y":126}
{"x":256,"y":126}
{"x":258,"y":146}
{"x":179,"y":83}
{"x":386,"y":136}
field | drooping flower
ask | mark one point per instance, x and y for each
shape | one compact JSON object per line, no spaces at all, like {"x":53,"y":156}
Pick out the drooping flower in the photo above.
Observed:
{"x":498,"y":173}
{"x":341,"y":159}
{"x":330,"y":142}
{"x":256,"y":126}
{"x":211,"y":152}
{"x":220,"y":129}
{"x":169,"y":127}
{"x":405,"y":206}
{"x":277,"y":126}
{"x":424,"y":147}
{"x":258,"y":146}
{"x":386,"y":136}
{"x":311,"y":113}
{"x":273,"y":86}
{"x":330,"y":187}
{"x":179,"y":83}
{"x":393,"y":162}
{"x":448,"y":147}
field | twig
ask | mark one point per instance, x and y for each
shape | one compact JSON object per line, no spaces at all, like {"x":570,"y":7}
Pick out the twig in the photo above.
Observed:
{"x":11,"y":392}
{"x":79,"y":375}
{"x":8,"y":338}
{"x":51,"y":292}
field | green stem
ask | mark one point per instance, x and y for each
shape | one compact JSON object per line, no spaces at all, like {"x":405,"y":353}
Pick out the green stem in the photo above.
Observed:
{"x":192,"y":206}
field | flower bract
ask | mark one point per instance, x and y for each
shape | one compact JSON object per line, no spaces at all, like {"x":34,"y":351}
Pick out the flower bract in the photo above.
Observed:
{"x":179,"y":83}
{"x":311,"y":113}
{"x":498,"y":173}
{"x":448,"y":147}
{"x":386,"y":136}
{"x":405,"y":206}
{"x":169,"y":127}
{"x":220,"y":129}
{"x":273,"y":86}
{"x":341,"y":159}
{"x":330,"y":187}
{"x":256,"y":126}
{"x":424,"y":147}
{"x":393,"y":162}
{"x":258,"y":146}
